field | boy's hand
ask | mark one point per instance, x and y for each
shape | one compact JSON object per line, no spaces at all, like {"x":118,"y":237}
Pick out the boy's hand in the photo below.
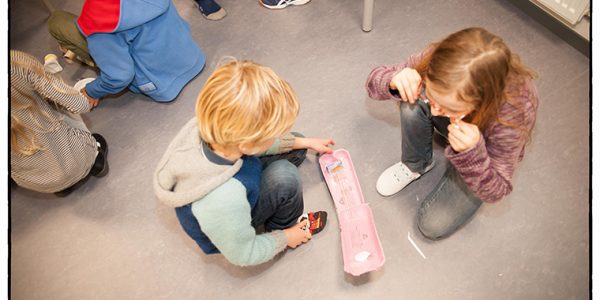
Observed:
{"x":319,"y":145}
{"x":92,"y":101}
{"x":463,"y":136}
{"x":408,"y":84}
{"x":296,"y":235}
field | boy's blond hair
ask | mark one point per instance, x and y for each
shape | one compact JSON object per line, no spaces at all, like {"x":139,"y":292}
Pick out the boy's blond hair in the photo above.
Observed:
{"x":243,"y":102}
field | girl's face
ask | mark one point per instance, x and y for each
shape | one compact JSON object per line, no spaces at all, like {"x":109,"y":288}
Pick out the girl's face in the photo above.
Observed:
{"x":445,"y":105}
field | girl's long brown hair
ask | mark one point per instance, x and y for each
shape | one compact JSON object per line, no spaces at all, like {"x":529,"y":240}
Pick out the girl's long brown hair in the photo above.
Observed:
{"x":476,"y":65}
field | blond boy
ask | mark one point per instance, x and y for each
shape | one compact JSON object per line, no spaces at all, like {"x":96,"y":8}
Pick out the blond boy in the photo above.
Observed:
{"x":220,"y":189}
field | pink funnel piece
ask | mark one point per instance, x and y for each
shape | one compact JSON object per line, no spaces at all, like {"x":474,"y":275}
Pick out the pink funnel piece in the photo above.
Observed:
{"x":361,"y":247}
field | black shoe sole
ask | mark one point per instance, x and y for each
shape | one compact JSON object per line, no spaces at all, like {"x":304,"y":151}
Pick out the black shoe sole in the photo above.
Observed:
{"x":64,"y":192}
{"x":103,"y":151}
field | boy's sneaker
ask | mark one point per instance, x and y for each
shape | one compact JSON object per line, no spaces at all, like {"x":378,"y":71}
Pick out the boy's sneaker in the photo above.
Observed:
{"x":397,"y":177}
{"x":316,"y":221}
{"x":279,"y":4}
{"x":210,"y":9}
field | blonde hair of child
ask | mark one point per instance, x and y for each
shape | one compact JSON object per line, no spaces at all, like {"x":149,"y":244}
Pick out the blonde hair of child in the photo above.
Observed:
{"x":22,"y":139}
{"x":476,"y":65}
{"x":244,"y":102}
{"x":19,"y":131}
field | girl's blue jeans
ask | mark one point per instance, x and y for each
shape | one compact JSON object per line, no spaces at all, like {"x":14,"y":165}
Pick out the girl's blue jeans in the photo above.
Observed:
{"x":451,"y":203}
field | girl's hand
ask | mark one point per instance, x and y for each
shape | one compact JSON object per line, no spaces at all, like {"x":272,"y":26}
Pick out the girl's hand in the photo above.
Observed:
{"x":296,"y":235}
{"x":319,"y":145}
{"x":408,"y":84}
{"x":463,"y":136}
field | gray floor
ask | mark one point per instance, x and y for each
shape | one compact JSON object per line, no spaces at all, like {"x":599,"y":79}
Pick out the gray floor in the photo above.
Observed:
{"x":112,"y":239}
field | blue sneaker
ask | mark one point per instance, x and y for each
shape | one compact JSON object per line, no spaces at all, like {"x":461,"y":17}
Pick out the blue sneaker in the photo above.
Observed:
{"x":279,"y":4}
{"x":211,"y":9}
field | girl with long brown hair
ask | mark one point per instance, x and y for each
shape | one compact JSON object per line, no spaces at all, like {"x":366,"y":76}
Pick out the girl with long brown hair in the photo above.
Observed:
{"x":51,"y":148}
{"x":477,"y":94}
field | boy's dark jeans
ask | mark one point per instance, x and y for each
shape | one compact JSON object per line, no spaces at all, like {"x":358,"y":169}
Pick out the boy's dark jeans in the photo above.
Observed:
{"x":451,"y":203}
{"x":280,"y":202}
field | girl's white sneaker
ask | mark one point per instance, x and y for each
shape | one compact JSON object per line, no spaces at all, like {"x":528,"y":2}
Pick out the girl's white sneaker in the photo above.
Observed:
{"x":397,"y":177}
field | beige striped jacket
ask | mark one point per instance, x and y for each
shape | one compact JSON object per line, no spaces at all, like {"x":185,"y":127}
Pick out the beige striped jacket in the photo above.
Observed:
{"x":68,"y":148}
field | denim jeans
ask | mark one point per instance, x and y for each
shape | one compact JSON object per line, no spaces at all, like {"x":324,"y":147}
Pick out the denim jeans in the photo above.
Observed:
{"x":280,"y":202}
{"x":451,"y":203}
{"x":417,"y":134}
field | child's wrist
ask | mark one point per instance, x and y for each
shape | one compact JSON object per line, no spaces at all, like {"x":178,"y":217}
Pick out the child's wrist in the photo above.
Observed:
{"x":287,"y":235}
{"x":300,"y":143}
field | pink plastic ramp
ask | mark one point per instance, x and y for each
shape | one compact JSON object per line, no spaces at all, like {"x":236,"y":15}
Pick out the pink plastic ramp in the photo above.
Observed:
{"x":361,"y":247}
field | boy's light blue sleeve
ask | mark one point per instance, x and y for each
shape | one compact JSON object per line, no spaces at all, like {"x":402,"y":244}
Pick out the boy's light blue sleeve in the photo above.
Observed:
{"x":225,"y":217}
{"x":111,"y":54}
{"x":282,"y":144}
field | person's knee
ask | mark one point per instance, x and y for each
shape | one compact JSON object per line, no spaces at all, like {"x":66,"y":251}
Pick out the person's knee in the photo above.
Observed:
{"x":412,"y":111}
{"x":283,"y":177}
{"x":433,"y":230}
{"x":53,"y":24}
{"x":435,"y":221}
{"x":58,"y":20}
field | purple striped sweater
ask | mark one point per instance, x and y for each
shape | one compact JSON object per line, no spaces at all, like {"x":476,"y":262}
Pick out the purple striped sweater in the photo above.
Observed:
{"x":488,"y":167}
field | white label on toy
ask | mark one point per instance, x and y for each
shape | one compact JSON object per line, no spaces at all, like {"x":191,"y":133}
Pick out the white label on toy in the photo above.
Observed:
{"x":362,"y":256}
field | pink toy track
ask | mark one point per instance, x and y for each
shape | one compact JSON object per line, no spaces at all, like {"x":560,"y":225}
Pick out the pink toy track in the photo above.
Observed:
{"x":361,"y":247}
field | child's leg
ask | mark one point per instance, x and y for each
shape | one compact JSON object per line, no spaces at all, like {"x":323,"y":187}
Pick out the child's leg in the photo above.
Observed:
{"x":280,"y":202}
{"x":417,"y":135}
{"x":417,"y":149}
{"x":61,"y":25}
{"x":449,"y":206}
